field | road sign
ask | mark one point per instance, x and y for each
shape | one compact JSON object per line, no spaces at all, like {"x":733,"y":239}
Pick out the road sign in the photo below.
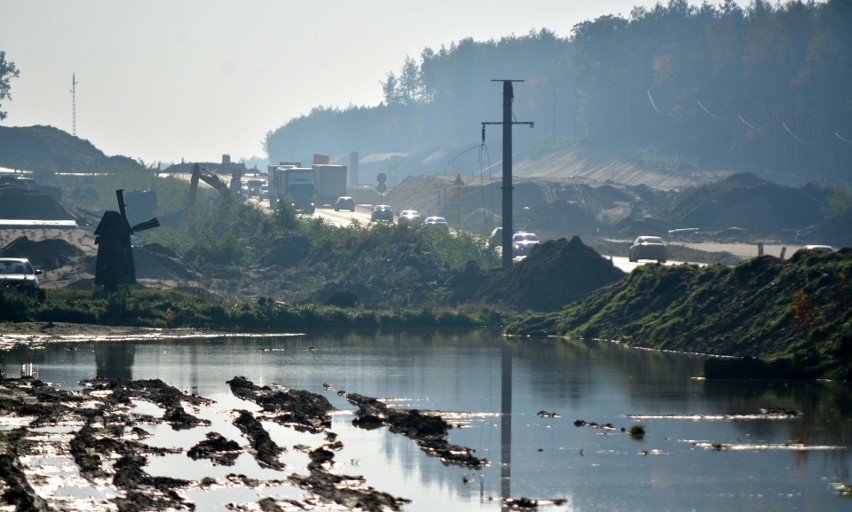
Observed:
{"x":381,"y":187}
{"x":381,"y":177}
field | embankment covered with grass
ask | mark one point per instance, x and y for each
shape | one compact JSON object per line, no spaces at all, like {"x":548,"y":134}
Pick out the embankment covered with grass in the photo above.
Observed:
{"x":794,"y":315}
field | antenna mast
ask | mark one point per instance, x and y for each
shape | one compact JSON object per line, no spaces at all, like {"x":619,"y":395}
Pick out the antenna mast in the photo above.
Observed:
{"x":74,"y":103}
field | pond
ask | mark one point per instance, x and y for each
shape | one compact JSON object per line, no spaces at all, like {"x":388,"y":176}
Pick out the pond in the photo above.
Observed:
{"x":536,"y":409}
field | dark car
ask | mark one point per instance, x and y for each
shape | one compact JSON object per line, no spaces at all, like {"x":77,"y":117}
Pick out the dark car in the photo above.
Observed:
{"x":18,"y":272}
{"x":344,"y":203}
{"x":382,"y":212}
{"x":647,"y":248}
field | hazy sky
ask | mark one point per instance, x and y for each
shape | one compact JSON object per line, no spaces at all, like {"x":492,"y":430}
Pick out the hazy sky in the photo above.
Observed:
{"x":165,"y":80}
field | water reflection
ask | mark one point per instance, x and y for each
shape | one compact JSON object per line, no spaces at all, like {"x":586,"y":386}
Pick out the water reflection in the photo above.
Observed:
{"x":491,"y":377}
{"x":114,"y":360}
{"x":506,"y":422}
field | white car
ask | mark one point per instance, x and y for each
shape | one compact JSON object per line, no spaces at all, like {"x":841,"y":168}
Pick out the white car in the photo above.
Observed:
{"x":436,"y":223}
{"x":409,"y":217}
{"x":18,"y":272}
{"x":523,"y":243}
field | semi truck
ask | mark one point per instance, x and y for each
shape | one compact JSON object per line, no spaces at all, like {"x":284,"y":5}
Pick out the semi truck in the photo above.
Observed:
{"x":295,"y":184}
{"x":330,"y":182}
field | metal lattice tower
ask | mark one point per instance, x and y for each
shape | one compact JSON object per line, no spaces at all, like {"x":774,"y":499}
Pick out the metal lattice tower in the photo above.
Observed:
{"x":74,"y":103}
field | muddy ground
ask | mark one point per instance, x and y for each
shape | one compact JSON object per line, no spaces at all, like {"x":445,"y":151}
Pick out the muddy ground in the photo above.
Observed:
{"x":96,"y":439}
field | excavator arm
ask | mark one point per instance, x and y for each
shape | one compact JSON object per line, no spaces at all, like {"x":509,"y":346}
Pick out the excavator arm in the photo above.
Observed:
{"x":207,"y":177}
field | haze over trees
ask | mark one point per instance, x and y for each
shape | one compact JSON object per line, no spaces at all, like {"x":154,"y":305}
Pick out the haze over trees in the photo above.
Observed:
{"x":766,"y":89}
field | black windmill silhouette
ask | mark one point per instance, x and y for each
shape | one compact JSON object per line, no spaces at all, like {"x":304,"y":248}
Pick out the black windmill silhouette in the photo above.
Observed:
{"x":114,"y":265}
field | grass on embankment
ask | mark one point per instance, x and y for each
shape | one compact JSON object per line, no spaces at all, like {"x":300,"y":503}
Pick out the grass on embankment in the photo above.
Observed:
{"x":175,"y":309}
{"x":795,"y":314}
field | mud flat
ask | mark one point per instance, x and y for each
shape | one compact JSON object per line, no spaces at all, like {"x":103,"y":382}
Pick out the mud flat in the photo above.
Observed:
{"x":96,"y":440}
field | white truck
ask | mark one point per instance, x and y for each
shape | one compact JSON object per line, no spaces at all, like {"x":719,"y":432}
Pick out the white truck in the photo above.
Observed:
{"x":294,"y":184}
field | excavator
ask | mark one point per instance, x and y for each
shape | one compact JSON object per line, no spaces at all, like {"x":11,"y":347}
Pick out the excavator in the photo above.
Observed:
{"x":214,"y":181}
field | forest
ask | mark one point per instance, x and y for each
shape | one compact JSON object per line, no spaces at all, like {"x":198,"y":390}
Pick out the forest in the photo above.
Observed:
{"x":765,"y":89}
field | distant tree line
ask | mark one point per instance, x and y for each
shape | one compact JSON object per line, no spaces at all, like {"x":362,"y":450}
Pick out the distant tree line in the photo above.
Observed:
{"x":766,"y":89}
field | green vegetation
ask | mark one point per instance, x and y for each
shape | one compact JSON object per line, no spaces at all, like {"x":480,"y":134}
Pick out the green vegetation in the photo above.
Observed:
{"x":793,"y":314}
{"x":174,"y":309}
{"x":307,"y":260}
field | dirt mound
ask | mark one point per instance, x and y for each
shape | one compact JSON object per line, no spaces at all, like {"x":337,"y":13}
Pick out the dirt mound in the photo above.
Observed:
{"x":18,"y":200}
{"x":48,"y":254}
{"x":154,"y":261}
{"x":45,"y":148}
{"x":555,"y":273}
{"x":747,"y":201}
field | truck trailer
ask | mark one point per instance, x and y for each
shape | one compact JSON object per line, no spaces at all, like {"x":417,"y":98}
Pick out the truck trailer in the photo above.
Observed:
{"x":330,"y":182}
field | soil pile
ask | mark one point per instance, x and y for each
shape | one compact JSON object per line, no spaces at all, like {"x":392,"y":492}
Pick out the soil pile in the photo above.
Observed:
{"x":555,"y":273}
{"x":20,"y":201}
{"x":155,"y":261}
{"x":49,"y":149}
{"x":48,"y":254}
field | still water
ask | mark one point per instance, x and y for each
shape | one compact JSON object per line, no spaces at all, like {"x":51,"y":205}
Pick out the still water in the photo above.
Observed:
{"x":707,"y":445}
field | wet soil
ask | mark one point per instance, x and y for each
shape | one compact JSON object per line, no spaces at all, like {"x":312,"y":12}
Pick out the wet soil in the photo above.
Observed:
{"x":106,"y":434}
{"x":429,"y":430}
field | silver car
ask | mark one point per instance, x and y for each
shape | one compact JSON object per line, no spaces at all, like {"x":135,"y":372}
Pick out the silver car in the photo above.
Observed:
{"x":18,"y":272}
{"x":647,"y":248}
{"x":436,"y":222}
{"x":409,"y":217}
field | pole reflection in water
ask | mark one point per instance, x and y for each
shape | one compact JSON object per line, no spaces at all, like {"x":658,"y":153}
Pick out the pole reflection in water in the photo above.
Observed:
{"x":114,"y":360}
{"x":506,"y":423}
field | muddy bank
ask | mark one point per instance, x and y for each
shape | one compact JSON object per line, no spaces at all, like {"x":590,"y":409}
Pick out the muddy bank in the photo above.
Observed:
{"x":101,"y":432}
{"x":428,"y":430}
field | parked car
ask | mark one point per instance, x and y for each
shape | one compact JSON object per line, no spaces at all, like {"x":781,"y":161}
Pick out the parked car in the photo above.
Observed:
{"x":382,"y":212}
{"x":436,"y":223}
{"x":647,"y":248}
{"x":344,"y":203}
{"x":816,"y":247}
{"x":409,"y":218}
{"x":19,"y":272}
{"x":523,"y":243}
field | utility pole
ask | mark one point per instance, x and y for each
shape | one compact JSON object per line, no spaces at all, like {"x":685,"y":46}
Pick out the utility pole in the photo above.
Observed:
{"x":508,"y":97}
{"x":74,"y":103}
